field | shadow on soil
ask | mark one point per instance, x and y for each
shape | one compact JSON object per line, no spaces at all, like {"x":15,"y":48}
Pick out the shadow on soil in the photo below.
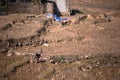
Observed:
{"x":74,"y":12}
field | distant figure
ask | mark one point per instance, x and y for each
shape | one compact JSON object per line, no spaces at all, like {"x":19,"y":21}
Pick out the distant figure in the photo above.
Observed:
{"x":37,"y":56}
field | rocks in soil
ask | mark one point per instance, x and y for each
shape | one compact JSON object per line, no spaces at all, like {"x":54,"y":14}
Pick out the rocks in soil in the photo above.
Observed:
{"x":82,"y":17}
{"x":22,"y":53}
{"x":86,"y":56}
{"x":60,"y":59}
{"x":46,"y":44}
{"x":6,"y":27}
{"x":10,"y":52}
{"x":19,"y":44}
{"x":96,"y":16}
{"x":89,"y":16}
{"x":80,"y":37}
{"x":30,"y":16}
{"x":66,"y":22}
{"x":14,"y":66}
{"x":68,"y":39}
{"x":32,"y":41}
{"x":16,"y":43}
{"x":18,"y":22}
{"x":99,"y":18}
{"x":4,"y":50}
{"x":74,"y":20}
{"x":42,"y":60}
{"x":18,"y":53}
{"x":52,"y":61}
{"x":78,"y":19}
{"x":85,"y":68}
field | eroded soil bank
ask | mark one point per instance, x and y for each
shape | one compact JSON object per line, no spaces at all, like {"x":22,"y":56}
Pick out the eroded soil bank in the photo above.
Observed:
{"x":72,"y":67}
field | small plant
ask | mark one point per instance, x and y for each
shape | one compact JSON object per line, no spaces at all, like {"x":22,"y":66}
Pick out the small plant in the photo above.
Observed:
{"x":58,"y":59}
{"x":3,"y":8}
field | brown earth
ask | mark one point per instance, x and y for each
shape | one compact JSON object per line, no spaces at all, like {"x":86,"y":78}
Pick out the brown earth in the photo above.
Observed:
{"x":86,"y":48}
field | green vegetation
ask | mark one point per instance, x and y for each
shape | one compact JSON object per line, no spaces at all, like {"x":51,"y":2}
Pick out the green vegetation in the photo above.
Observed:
{"x":3,"y":8}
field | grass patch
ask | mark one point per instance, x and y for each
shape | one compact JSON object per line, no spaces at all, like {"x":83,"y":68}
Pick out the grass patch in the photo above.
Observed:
{"x":3,"y":8}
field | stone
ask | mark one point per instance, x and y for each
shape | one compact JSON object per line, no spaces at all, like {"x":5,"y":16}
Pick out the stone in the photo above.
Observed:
{"x":41,"y":60}
{"x":6,"y":27}
{"x":89,"y":16}
{"x":40,"y":52}
{"x":78,"y":62}
{"x":108,"y":19}
{"x":52,"y":61}
{"x":86,"y":56}
{"x":101,"y":16}
{"x":86,"y":68}
{"x":82,"y":17}
{"x":10,"y":53}
{"x":19,"y":44}
{"x":73,"y":21}
{"x":45,"y":44}
{"x":18,"y":53}
{"x":77,"y":20}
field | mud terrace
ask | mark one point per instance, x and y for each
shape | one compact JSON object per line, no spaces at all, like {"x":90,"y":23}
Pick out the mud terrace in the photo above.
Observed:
{"x":87,"y":47}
